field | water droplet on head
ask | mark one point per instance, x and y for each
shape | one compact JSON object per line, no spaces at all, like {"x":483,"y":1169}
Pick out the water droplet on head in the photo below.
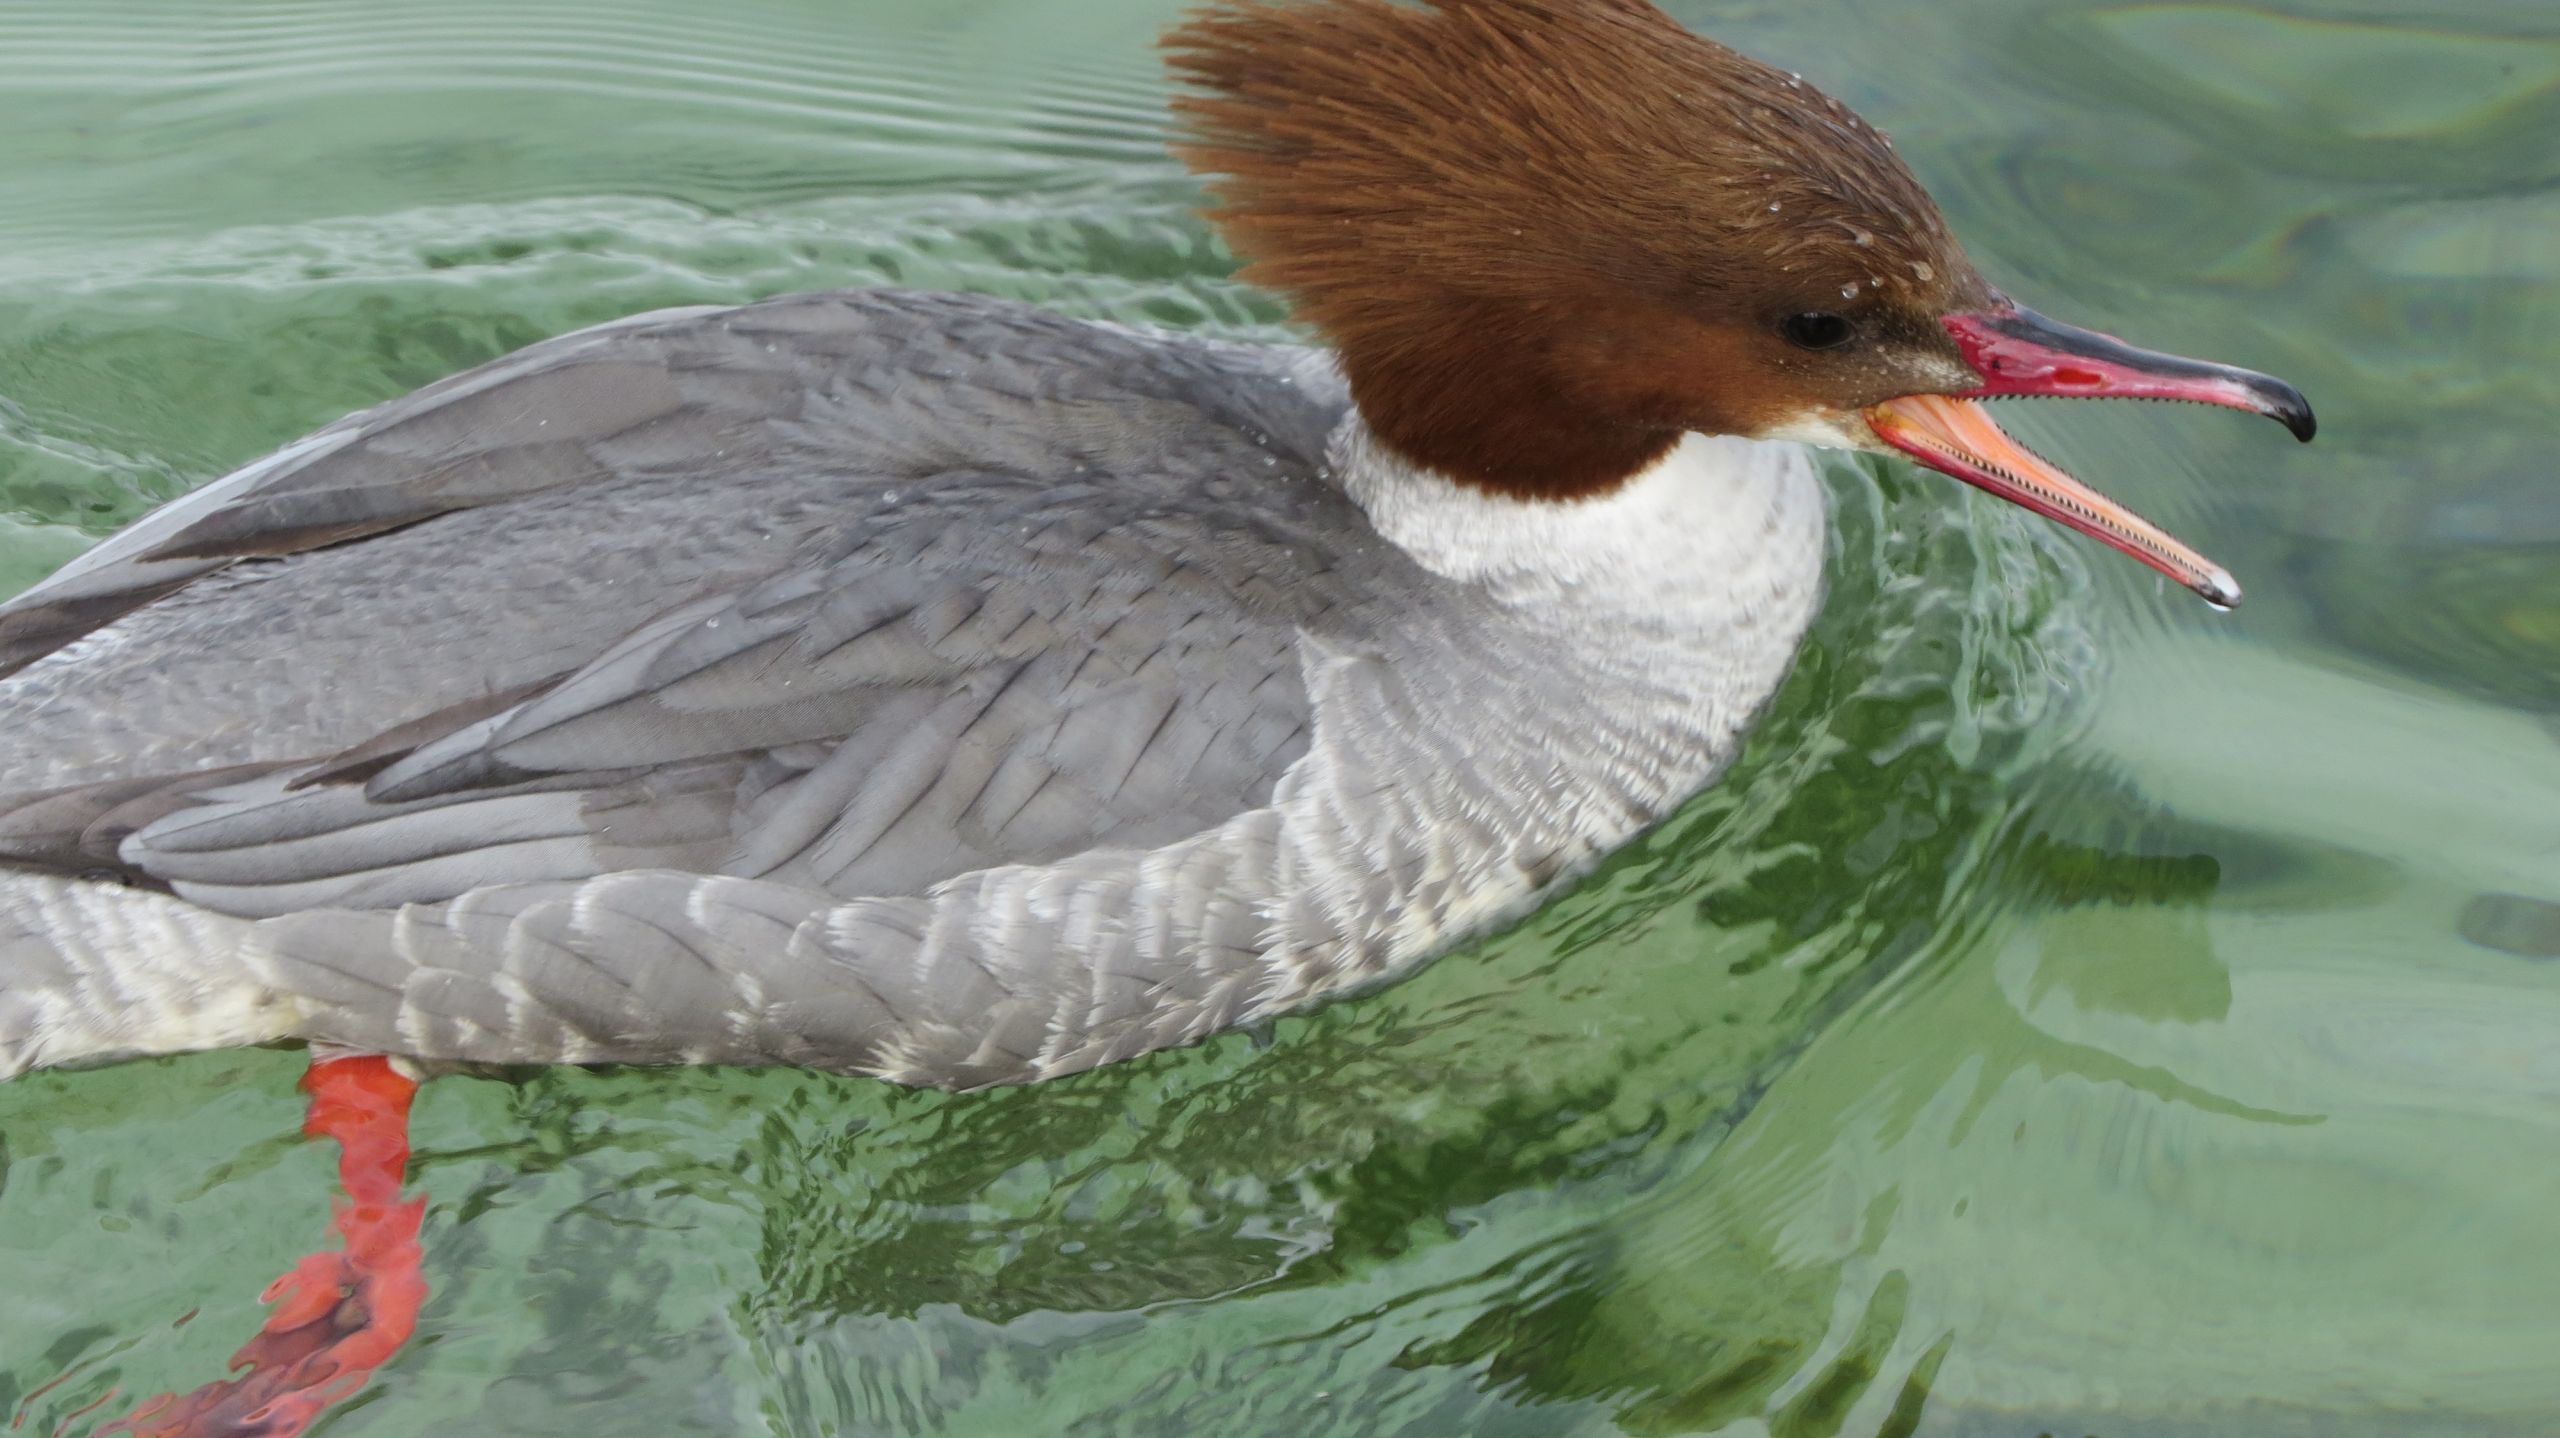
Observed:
{"x":1773,"y":207}
{"x":1862,"y":238}
{"x":1922,"y":271}
{"x":1849,"y":292}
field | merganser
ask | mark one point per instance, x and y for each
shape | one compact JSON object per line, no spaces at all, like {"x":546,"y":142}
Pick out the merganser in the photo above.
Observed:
{"x":935,"y":688}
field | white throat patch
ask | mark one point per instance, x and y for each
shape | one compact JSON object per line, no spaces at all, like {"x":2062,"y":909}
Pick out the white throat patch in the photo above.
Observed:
{"x":1715,"y":518}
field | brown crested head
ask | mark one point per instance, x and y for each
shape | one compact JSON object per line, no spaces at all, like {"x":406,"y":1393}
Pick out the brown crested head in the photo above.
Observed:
{"x":1548,"y":237}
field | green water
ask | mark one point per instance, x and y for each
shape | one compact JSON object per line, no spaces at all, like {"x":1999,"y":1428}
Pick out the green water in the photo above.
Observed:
{"x":2082,"y":1014}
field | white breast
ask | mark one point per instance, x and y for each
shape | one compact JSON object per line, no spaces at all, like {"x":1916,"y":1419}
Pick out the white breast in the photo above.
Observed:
{"x":1595,"y":663}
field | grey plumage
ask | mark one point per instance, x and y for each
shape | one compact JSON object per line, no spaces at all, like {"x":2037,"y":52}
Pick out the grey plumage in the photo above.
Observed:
{"x":916,"y":685}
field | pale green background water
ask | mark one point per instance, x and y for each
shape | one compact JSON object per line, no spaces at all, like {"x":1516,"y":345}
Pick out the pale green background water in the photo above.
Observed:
{"x":2081,"y":1014}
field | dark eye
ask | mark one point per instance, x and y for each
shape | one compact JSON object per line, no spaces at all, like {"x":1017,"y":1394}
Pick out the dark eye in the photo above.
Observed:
{"x":1817,"y":331}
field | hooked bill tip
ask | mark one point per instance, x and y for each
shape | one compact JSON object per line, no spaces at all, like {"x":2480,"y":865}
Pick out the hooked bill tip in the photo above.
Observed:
{"x":2286,"y":406}
{"x":2218,"y":589}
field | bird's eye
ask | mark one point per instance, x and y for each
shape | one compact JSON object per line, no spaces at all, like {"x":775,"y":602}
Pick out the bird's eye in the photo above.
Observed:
{"x":1817,"y":331}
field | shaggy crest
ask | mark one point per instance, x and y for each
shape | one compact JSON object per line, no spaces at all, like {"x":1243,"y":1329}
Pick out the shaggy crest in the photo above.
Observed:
{"x":1553,"y":189}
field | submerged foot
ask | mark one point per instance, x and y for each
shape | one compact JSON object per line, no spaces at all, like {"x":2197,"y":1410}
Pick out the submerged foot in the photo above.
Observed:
{"x":338,"y":1316}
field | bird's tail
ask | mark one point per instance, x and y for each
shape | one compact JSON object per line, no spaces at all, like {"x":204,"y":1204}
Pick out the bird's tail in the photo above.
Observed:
{"x":94,"y":971}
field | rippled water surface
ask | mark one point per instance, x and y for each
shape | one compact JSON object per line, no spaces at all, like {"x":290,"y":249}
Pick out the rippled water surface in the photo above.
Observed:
{"x":2081,"y":1014}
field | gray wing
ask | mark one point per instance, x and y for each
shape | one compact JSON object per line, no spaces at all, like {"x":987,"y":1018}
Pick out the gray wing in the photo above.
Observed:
{"x":504,"y":526}
{"x":1012,"y":675}
{"x":576,"y":750}
{"x":937,"y":581}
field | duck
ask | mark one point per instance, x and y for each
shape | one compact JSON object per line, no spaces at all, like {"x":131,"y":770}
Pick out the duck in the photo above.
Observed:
{"x":940,"y":689}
